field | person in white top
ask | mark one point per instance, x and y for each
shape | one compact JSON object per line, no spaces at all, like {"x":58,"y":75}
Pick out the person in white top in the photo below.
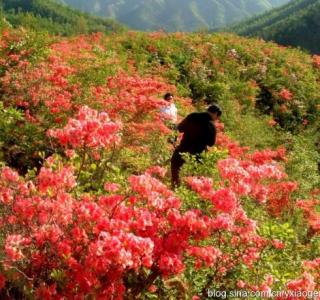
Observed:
{"x":169,"y":111}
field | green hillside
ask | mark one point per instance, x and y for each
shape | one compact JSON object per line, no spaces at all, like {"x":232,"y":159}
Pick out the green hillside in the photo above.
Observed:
{"x":294,"y":24}
{"x":86,"y":207}
{"x":54,"y":17}
{"x":175,"y":15}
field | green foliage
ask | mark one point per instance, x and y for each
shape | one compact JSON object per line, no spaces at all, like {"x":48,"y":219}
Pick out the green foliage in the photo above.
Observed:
{"x":251,"y":125}
{"x":203,"y":165}
{"x":282,"y":263}
{"x":285,"y":263}
{"x":303,"y":161}
{"x":3,"y":23}
{"x":20,"y":140}
{"x":315,"y":246}
{"x":8,"y":118}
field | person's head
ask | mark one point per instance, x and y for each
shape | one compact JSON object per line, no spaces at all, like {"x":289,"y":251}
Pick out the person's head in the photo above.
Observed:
{"x":168,"y":97}
{"x":215,"y":111}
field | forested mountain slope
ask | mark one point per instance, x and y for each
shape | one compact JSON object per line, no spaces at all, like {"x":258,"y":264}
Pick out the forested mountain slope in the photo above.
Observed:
{"x":54,"y":17}
{"x":175,"y":15}
{"x":294,"y":24}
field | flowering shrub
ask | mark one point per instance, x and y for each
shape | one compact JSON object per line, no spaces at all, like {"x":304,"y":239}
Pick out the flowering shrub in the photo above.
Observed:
{"x":97,"y":220}
{"x":91,"y":129}
{"x":79,"y":242}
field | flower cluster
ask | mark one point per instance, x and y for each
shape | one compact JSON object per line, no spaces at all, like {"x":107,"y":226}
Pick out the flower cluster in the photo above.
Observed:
{"x":309,"y":208}
{"x":316,"y":61}
{"x":90,"y":129}
{"x":285,"y":95}
{"x":249,"y":178}
{"x":94,"y":244}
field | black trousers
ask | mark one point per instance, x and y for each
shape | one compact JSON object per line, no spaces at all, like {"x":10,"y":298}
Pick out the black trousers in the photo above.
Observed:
{"x":177,"y":162}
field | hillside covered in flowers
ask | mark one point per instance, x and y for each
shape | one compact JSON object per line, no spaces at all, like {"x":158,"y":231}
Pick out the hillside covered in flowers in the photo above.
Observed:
{"x":86,"y":209}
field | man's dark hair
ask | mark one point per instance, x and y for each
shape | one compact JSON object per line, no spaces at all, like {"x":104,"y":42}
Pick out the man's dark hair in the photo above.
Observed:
{"x":214,"y":108}
{"x":167,"y":96}
{"x":209,"y":99}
